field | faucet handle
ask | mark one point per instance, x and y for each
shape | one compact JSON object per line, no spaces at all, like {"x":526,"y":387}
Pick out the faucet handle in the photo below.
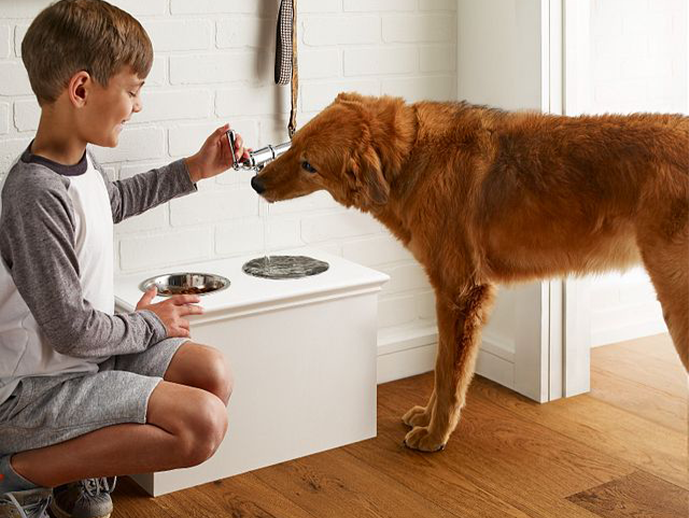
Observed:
{"x":232,"y":138}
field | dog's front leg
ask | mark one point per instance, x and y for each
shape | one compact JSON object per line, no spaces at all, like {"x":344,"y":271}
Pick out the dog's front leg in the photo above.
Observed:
{"x":420,"y":415}
{"x":459,"y":327}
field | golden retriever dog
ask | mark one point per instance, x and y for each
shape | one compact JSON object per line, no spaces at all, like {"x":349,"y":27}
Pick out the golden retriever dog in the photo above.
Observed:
{"x":482,"y":196}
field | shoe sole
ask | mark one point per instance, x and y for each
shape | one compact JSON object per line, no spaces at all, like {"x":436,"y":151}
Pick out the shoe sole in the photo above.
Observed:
{"x":56,"y":512}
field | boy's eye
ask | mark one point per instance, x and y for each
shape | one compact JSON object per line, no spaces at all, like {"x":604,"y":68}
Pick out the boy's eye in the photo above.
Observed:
{"x":308,"y":167}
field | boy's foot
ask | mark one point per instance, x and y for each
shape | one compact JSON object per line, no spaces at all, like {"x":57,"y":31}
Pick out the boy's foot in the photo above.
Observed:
{"x":88,"y":498}
{"x":30,"y":503}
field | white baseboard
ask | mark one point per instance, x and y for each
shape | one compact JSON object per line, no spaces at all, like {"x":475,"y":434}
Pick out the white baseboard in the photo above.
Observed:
{"x":627,"y":332}
{"x":410,"y":350}
{"x":405,"y":363}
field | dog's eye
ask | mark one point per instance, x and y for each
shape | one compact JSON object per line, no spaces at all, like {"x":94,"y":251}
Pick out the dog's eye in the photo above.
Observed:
{"x":308,"y":167}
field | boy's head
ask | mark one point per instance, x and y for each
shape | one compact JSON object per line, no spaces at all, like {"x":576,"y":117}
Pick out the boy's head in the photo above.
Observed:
{"x":72,"y":36}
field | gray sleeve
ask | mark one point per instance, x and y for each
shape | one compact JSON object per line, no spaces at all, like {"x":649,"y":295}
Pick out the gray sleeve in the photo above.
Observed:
{"x":37,"y":245}
{"x":144,"y":191}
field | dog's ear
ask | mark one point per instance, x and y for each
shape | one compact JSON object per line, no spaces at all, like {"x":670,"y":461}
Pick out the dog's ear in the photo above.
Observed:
{"x":371,"y":186}
{"x":349,"y":97}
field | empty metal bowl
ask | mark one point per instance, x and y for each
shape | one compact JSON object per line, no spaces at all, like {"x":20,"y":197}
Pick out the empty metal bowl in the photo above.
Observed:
{"x":186,"y":283}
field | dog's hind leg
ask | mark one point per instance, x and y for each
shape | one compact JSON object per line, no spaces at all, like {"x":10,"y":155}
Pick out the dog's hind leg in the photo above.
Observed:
{"x":459,"y":325}
{"x":667,"y":261}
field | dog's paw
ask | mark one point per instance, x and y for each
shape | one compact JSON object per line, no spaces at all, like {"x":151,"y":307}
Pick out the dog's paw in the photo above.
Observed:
{"x":420,"y":438}
{"x":417,"y":416}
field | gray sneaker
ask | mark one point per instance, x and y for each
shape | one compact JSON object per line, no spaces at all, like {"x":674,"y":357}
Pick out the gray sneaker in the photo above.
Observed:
{"x":88,"y":498}
{"x":31,"y":503}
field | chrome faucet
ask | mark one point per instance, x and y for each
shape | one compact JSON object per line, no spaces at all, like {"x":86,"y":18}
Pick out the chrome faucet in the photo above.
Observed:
{"x":257,"y":159}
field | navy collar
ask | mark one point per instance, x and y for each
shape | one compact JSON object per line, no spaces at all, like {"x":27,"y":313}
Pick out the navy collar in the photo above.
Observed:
{"x":65,"y":170}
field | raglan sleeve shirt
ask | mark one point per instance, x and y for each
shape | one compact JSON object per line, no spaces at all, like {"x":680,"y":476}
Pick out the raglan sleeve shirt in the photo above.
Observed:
{"x":141,"y":192}
{"x":37,"y":244}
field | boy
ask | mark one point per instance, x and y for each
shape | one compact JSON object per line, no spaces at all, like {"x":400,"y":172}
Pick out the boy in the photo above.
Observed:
{"x":84,"y":393}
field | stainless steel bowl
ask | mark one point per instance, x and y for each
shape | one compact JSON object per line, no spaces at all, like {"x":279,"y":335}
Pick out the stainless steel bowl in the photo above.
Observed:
{"x":186,"y":283}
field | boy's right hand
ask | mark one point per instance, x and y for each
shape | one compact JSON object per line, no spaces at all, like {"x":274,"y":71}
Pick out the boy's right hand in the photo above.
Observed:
{"x":172,"y":310}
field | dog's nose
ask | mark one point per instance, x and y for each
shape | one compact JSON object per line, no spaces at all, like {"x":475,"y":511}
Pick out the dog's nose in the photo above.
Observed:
{"x":257,"y":185}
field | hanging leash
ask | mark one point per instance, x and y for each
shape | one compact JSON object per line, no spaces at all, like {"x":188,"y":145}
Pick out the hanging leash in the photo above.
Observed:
{"x":286,"y":71}
{"x":292,"y":127}
{"x":286,"y":67}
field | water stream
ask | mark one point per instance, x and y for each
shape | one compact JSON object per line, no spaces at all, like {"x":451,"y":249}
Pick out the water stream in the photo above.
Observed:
{"x":280,"y":266}
{"x":264,"y":208}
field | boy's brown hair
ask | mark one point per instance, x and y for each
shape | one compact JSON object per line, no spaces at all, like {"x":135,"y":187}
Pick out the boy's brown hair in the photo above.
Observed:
{"x":74,"y":35}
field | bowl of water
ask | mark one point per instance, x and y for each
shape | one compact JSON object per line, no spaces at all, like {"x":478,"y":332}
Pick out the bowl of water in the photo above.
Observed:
{"x":285,"y":267}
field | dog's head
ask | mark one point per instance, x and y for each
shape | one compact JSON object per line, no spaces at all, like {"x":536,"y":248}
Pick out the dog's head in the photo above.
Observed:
{"x":340,"y":151}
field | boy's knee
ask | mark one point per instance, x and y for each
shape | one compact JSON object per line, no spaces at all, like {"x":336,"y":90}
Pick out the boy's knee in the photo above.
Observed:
{"x":205,"y":430}
{"x":220,"y":375}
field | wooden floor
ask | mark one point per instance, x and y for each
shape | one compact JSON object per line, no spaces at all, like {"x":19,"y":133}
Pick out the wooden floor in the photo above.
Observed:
{"x":619,"y":451}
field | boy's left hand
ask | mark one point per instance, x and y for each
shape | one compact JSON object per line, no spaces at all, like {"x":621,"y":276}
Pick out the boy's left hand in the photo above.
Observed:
{"x":215,"y":156}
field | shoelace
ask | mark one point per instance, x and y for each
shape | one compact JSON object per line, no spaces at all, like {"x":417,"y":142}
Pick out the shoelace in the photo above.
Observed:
{"x":32,"y":510}
{"x":93,"y":487}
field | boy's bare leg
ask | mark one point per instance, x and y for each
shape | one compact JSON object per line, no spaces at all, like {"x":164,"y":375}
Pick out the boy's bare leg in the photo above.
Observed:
{"x":185,"y":425}
{"x":202,"y":367}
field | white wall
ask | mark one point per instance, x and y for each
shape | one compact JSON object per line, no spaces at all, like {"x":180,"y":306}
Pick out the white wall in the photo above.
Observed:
{"x":498,"y":42}
{"x":214,"y":64}
{"x":638,"y":62}
{"x":500,"y":63}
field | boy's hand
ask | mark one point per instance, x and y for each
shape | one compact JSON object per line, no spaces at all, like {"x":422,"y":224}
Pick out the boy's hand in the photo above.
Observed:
{"x":215,"y":156}
{"x":172,"y":310}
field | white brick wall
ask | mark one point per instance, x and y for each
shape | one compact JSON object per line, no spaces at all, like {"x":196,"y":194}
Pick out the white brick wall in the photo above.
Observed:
{"x":214,"y":64}
{"x":4,"y":118}
{"x":418,"y":29}
{"x":638,"y":62}
{"x":4,"y":41}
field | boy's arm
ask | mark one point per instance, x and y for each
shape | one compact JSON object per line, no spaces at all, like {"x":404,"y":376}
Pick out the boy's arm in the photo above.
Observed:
{"x":37,"y":244}
{"x":144,"y":191}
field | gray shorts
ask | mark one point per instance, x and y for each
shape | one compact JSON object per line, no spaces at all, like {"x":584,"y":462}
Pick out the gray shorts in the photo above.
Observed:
{"x":47,"y":410}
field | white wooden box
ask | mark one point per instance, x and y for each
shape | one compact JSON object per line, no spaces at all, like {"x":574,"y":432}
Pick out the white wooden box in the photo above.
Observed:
{"x":303,"y":353}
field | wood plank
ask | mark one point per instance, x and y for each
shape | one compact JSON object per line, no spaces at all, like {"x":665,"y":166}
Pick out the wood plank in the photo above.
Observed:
{"x":519,"y":462}
{"x":426,"y":475}
{"x":659,"y":346}
{"x":646,"y":362}
{"x":613,"y":383}
{"x":336,"y":484}
{"x":640,"y":399}
{"x":241,"y":496}
{"x":638,"y":495}
{"x":611,"y":431}
{"x":133,"y":502}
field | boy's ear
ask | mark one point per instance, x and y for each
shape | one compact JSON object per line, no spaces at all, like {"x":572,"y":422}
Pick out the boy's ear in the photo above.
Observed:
{"x":77,"y":88}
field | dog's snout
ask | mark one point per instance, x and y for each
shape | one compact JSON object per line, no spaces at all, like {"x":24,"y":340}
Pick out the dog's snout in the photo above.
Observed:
{"x":257,"y":185}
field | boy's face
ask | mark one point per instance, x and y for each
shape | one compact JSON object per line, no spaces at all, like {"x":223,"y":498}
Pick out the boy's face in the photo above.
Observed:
{"x":109,"y":108}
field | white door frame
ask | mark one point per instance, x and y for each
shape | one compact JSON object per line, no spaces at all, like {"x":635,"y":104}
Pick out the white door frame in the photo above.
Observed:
{"x":565,"y":342}
{"x":577,"y":308}
{"x":524,"y":42}
{"x":569,"y":362}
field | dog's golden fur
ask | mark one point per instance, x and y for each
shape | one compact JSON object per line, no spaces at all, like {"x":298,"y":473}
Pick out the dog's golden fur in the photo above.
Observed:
{"x":482,"y":196}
